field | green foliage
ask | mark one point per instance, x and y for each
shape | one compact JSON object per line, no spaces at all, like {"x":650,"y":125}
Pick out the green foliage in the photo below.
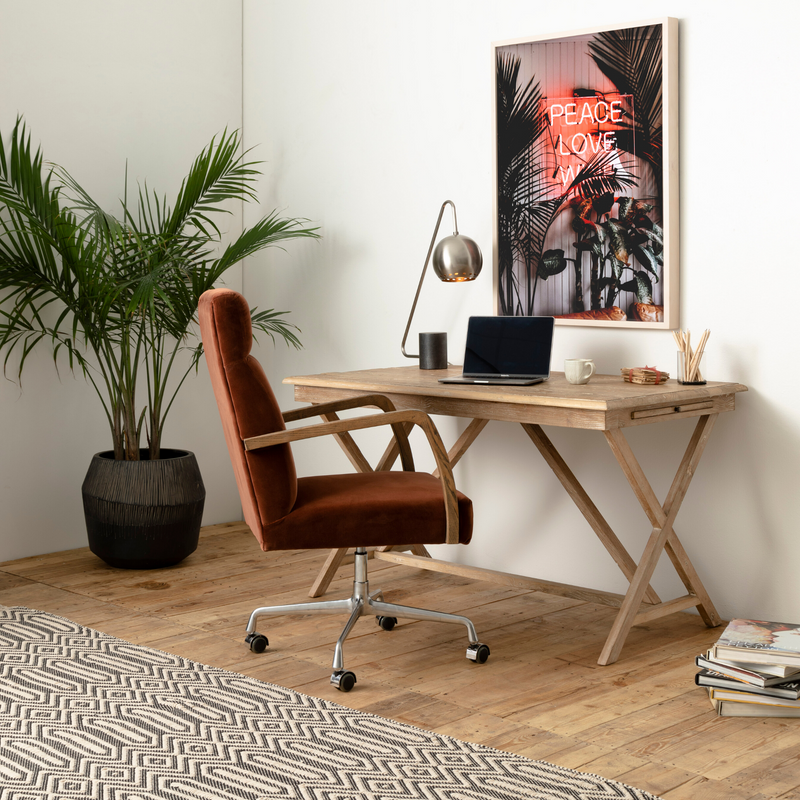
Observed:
{"x":619,"y":243}
{"x":551,"y":263}
{"x":118,"y":296}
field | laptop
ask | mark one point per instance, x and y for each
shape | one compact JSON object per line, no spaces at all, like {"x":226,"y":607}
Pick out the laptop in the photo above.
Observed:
{"x":507,"y":351}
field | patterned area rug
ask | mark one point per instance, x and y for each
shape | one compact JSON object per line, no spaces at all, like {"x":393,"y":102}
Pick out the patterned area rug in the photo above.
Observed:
{"x":85,"y":715}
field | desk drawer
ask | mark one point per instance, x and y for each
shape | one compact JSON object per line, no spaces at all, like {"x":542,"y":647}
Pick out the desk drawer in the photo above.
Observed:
{"x":706,"y":406}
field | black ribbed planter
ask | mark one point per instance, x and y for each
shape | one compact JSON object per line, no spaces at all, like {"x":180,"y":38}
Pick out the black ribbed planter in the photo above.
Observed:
{"x":143,"y":514}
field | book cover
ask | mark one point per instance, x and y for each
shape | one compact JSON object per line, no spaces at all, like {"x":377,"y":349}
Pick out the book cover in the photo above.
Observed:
{"x":759,"y":641}
{"x":764,"y":676}
{"x":706,"y":677}
{"x":726,"y":708}
{"x":749,"y":698}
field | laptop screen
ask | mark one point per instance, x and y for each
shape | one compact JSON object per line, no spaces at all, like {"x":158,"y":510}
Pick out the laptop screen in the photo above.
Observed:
{"x":508,"y":346}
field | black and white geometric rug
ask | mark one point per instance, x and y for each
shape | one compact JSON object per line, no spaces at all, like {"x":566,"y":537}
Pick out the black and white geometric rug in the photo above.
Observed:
{"x":86,"y":716}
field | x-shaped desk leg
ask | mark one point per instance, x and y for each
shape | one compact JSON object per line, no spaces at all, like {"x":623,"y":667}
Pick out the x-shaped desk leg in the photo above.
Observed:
{"x":662,"y":537}
{"x":641,"y":603}
{"x":585,"y":505}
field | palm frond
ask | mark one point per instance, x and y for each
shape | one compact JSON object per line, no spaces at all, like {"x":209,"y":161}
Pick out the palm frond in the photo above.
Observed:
{"x":123,"y":291}
{"x":632,"y":59}
{"x":603,"y":173}
{"x":268,"y":232}
{"x":271,"y":323}
{"x":81,"y":203}
{"x":217,"y":175}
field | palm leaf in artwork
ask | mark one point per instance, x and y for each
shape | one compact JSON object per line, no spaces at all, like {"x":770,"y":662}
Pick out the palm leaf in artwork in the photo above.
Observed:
{"x":520,"y":123}
{"x":604,"y":173}
{"x":632,"y":60}
{"x":601,"y":175}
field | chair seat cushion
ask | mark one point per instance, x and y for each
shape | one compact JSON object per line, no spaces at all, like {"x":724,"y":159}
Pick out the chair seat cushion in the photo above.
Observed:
{"x":367,"y":509}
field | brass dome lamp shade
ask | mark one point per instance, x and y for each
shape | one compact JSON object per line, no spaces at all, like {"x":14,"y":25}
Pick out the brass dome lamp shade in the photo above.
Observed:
{"x":456,"y":258}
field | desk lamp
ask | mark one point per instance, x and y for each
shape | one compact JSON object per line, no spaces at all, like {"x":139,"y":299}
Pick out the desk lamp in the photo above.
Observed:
{"x":456,"y":258}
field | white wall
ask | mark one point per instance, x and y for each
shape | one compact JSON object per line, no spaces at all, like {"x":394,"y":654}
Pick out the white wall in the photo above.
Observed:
{"x":372,"y":114}
{"x":98,"y":83}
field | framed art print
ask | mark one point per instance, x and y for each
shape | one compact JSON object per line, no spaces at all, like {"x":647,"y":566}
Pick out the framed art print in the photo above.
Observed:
{"x":586,"y":191}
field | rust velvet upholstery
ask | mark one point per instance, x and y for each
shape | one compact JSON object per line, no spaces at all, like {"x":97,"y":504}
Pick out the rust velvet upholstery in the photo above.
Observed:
{"x":325,"y":511}
{"x":266,"y":478}
{"x":373,"y":508}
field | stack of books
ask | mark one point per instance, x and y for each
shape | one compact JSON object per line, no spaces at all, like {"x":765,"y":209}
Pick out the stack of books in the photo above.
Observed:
{"x":753,"y":670}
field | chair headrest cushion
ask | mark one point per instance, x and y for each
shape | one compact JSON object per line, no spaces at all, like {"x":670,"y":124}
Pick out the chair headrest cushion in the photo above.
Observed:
{"x":234,"y":328}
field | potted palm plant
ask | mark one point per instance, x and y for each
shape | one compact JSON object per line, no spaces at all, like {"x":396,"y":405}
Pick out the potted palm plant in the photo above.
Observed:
{"x":117,"y":297}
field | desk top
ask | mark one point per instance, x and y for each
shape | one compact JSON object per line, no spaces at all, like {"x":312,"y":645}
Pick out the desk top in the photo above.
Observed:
{"x":605,"y":402}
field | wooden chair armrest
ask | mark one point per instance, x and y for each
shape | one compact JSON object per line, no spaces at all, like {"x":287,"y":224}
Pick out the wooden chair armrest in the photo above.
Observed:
{"x":445,"y":474}
{"x":394,"y":418}
{"x":361,"y":401}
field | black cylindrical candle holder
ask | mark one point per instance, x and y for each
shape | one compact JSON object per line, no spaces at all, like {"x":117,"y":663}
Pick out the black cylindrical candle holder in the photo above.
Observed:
{"x":433,"y":350}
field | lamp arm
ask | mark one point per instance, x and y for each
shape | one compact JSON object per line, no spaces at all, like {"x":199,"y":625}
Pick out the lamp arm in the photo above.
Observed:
{"x":424,"y":269}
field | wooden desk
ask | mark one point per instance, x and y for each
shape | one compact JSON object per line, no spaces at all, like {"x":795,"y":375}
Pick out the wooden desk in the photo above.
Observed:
{"x":606,"y":404}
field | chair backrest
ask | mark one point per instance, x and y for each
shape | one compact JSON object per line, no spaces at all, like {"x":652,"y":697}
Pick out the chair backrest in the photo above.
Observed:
{"x":266,"y":477}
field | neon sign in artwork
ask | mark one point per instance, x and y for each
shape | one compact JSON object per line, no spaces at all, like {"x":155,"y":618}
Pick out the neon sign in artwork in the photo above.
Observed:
{"x":581,"y":127}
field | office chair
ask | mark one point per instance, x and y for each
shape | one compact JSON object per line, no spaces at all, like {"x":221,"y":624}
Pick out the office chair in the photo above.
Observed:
{"x":361,"y":510}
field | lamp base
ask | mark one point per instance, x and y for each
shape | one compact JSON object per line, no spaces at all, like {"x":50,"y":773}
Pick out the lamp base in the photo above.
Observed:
{"x":433,"y":350}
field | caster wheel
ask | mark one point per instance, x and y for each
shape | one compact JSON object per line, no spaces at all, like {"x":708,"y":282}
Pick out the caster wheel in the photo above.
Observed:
{"x":387,"y":623}
{"x":343,"y":680}
{"x":478,"y":653}
{"x":257,"y":641}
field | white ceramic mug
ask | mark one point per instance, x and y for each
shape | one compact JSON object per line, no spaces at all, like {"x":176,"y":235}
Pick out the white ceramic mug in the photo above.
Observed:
{"x":579,"y":370}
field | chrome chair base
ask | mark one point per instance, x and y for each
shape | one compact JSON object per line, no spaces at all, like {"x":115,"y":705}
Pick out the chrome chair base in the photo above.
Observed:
{"x":361,"y":603}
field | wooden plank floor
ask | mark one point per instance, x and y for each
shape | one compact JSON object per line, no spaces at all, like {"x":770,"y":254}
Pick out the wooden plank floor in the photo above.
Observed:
{"x":541,"y":694}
